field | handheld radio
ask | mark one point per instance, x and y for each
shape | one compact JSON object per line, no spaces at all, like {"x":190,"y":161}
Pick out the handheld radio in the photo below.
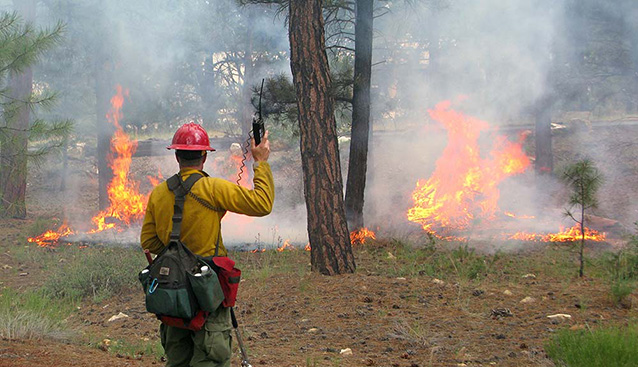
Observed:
{"x":258,"y":123}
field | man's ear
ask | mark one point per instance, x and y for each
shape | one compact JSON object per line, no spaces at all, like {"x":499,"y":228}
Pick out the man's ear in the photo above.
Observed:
{"x":205,"y":156}
{"x":176,"y":157}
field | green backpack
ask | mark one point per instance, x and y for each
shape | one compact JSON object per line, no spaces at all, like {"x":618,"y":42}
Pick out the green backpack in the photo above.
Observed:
{"x":176,"y":291}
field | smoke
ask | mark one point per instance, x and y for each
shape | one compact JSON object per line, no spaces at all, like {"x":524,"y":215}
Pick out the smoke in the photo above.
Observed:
{"x":497,"y":57}
{"x":504,"y":58}
{"x":182,"y":61}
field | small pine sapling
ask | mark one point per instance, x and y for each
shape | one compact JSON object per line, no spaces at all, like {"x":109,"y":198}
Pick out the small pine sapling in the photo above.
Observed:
{"x":584,"y":180}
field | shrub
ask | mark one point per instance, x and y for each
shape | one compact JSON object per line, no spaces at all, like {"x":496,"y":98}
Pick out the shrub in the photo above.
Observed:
{"x":137,"y":349}
{"x":467,"y":264}
{"x":32,"y":315}
{"x":620,"y":290}
{"x":612,"y":346}
{"x":262,"y":265}
{"x":98,"y":273}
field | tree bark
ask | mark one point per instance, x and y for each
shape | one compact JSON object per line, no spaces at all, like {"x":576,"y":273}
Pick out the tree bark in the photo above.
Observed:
{"x":544,"y":163}
{"x":327,"y":228}
{"x":13,"y":156}
{"x":358,"y":160}
{"x":105,"y":130}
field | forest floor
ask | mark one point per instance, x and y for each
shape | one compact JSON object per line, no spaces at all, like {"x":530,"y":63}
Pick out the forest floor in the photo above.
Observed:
{"x":411,"y":302}
{"x":483,"y":310}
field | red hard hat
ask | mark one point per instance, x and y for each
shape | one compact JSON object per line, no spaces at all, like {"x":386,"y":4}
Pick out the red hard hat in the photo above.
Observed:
{"x":190,"y":136}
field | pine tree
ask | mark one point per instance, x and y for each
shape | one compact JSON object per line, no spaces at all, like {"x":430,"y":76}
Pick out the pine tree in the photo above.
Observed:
{"x":327,"y":228}
{"x":21,"y":44}
{"x":584,"y":180}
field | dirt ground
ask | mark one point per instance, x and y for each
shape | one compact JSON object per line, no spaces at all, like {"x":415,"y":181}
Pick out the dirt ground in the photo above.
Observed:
{"x":305,"y":319}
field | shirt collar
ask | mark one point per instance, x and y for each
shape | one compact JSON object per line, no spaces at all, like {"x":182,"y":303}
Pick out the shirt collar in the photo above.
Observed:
{"x":189,"y":171}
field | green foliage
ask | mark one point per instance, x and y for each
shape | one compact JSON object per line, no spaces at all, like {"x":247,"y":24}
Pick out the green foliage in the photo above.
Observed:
{"x":621,"y":265}
{"x":22,"y":46}
{"x":584,"y":180}
{"x":279,"y":103}
{"x":97,"y":273}
{"x":39,"y":226}
{"x":400,"y":259}
{"x":613,"y":346}
{"x":262,"y":265}
{"x":32,"y":315}
{"x":620,"y":290}
{"x":410,"y":261}
{"x":137,"y":349}
{"x":621,"y":268}
{"x":467,"y":264}
{"x":279,"y":108}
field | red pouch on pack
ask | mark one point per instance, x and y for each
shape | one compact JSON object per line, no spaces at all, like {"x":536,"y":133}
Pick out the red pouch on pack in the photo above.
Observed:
{"x":229,"y":277}
{"x":194,"y":324}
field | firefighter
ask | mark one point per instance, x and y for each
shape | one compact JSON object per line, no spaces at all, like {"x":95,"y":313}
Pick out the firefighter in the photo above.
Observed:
{"x":201,"y":226}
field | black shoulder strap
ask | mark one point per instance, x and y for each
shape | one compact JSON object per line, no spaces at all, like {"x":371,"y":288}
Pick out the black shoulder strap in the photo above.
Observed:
{"x":180,"y":188}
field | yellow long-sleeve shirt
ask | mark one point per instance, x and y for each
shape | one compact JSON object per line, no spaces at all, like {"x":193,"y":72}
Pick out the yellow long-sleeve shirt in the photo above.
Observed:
{"x":200,"y":225}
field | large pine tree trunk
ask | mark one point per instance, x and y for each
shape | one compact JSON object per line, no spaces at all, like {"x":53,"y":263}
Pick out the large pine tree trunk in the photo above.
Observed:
{"x":13,"y":154}
{"x":327,"y":228}
{"x":543,"y":137}
{"x":358,"y":161}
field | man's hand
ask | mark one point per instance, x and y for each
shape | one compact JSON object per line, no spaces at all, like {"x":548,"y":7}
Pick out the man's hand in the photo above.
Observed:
{"x":261,"y":151}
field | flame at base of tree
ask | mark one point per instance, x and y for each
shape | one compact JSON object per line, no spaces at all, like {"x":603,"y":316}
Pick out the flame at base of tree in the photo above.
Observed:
{"x":464,"y":185}
{"x":126,"y":203}
{"x":359,"y":237}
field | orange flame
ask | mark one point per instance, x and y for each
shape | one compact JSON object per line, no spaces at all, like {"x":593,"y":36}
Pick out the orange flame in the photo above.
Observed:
{"x":572,"y":234}
{"x":359,"y":237}
{"x":286,"y":246}
{"x":307,"y":247}
{"x":464,"y":186}
{"x":155,"y":180}
{"x":126,"y":203}
{"x":519,"y":216}
{"x":50,"y":238}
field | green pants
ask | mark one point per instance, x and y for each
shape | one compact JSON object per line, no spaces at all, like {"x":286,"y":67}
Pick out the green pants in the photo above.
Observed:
{"x":209,"y":347}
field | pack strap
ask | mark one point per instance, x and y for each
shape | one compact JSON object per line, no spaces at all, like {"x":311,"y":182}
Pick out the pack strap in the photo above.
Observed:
{"x":218,"y":237}
{"x":180,"y":188}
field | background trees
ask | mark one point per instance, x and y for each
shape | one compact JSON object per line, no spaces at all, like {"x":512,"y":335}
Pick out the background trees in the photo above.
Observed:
{"x":22,"y":46}
{"x":519,"y":65}
{"x":359,"y":137}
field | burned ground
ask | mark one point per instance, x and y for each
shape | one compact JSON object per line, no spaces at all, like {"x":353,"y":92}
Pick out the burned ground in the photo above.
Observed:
{"x":484,"y":311}
{"x":411,"y":302}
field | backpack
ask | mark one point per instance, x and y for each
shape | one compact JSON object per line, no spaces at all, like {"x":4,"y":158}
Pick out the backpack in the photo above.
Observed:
{"x":176,"y":291}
